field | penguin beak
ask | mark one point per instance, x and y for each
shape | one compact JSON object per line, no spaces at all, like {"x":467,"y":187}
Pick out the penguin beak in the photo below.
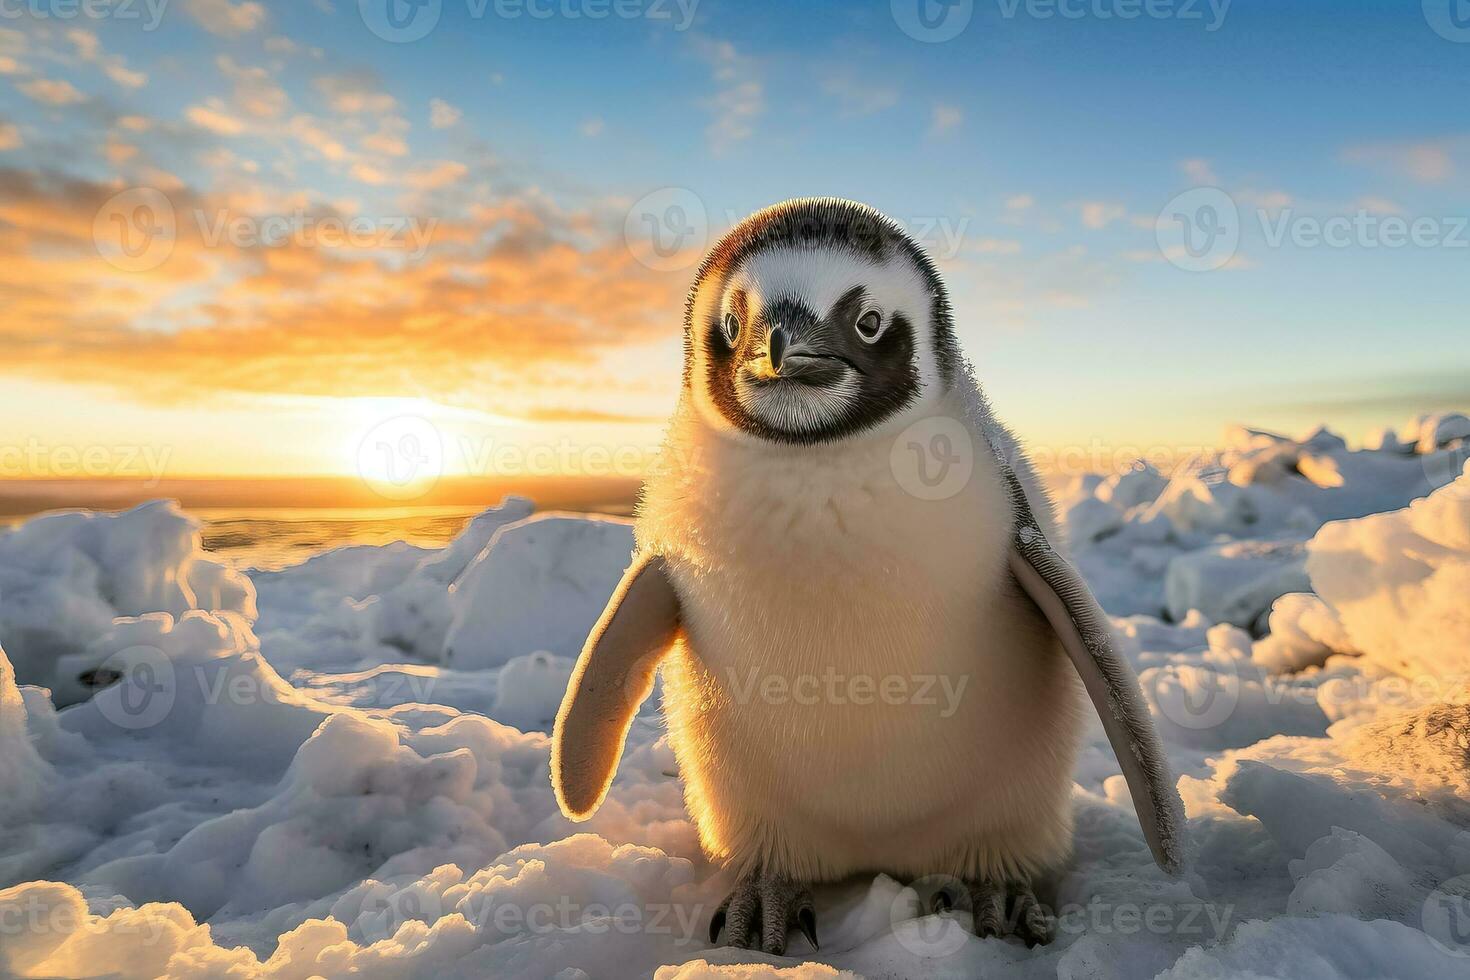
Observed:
{"x":777,"y":343}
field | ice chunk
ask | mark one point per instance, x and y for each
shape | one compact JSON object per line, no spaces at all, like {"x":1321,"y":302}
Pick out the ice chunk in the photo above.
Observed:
{"x":530,"y":690}
{"x":540,"y":585}
{"x":1305,"y":631}
{"x":65,"y":576}
{"x":1091,"y":519}
{"x":1131,"y":488}
{"x":24,"y":775}
{"x":1398,"y":582}
{"x":1235,"y":582}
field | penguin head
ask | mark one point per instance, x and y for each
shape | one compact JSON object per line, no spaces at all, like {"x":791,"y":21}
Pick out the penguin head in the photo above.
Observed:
{"x":813,"y":321}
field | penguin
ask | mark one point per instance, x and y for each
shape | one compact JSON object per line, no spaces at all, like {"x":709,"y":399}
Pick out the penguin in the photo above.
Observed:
{"x":804,"y":564}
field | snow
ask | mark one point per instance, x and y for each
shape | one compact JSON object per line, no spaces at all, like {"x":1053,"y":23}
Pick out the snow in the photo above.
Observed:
{"x":64,"y":577}
{"x":570,"y":564}
{"x":340,"y":768}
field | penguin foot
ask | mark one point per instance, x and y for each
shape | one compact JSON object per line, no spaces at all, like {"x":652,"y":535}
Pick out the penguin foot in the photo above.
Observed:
{"x":761,"y":911}
{"x":1003,"y":909}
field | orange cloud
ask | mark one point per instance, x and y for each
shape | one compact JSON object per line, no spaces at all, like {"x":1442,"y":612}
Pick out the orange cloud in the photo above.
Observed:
{"x":306,"y":301}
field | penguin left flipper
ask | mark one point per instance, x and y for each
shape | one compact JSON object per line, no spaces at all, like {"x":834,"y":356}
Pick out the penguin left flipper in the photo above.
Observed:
{"x":1087,"y":635}
{"x":612,"y":678}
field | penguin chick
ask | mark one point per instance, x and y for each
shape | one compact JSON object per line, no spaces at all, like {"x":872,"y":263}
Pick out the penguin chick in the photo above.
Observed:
{"x":873,"y":657}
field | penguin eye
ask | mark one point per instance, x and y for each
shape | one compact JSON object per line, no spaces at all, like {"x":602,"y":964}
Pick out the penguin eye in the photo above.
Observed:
{"x":730,"y":327}
{"x":870,"y":326}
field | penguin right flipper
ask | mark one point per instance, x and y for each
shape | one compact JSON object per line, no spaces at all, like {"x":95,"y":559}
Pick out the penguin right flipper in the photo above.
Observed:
{"x":612,"y":678}
{"x":1087,"y":636}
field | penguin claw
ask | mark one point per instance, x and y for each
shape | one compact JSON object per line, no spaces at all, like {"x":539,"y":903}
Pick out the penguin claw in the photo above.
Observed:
{"x":761,"y":912}
{"x":717,"y":921}
{"x":941,"y":902}
{"x":806,"y":921}
{"x":1010,"y":909}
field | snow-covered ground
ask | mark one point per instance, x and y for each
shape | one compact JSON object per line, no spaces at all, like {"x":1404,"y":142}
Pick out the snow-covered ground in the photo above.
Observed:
{"x":341,"y":767}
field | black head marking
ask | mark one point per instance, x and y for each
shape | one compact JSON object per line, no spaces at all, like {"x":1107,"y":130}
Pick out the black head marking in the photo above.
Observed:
{"x":825,"y":360}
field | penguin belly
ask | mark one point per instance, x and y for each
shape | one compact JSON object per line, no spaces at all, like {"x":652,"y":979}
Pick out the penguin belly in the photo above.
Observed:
{"x":861,"y":686}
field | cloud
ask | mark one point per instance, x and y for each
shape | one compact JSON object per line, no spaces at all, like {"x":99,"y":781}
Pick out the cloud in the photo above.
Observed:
{"x":1099,"y":214}
{"x":355,"y":92}
{"x":945,"y":118}
{"x":592,"y":128}
{"x":309,"y":131}
{"x":442,"y":115}
{"x":89,"y":49}
{"x":435,"y":176}
{"x":739,"y":97}
{"x":225,"y":18}
{"x":1428,"y":162}
{"x":1199,"y":170}
{"x":215,"y":119}
{"x":52,"y":92}
{"x":388,"y":140}
{"x":9,"y":137}
{"x":255,"y":90}
{"x":856,"y":94}
{"x":1014,"y":290}
{"x":368,"y":174}
{"x":1250,"y":197}
{"x":1378,"y":205}
{"x":516,"y":296}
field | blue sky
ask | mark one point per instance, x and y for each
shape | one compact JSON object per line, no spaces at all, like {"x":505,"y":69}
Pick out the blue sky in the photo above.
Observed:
{"x":1033,"y":153}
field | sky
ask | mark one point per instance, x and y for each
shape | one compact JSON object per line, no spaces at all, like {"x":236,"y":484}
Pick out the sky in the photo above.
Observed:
{"x":261,"y":239}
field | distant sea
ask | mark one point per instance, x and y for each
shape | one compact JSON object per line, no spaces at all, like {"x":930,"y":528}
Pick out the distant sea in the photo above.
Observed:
{"x":269,"y":538}
{"x":272,"y":524}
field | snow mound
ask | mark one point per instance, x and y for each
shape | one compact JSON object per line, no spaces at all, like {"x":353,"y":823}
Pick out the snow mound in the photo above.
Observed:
{"x":1427,"y":748}
{"x":363,"y":605}
{"x":1398,"y":582}
{"x":563,"y":909}
{"x":65,"y":577}
{"x":24,"y":775}
{"x":1222,"y":535}
{"x":1235,"y":582}
{"x":1304,"y":632}
{"x":549,"y":562}
{"x":354,"y":783}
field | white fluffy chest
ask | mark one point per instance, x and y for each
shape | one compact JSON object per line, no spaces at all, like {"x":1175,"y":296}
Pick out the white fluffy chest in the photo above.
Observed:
{"x":798,"y":561}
